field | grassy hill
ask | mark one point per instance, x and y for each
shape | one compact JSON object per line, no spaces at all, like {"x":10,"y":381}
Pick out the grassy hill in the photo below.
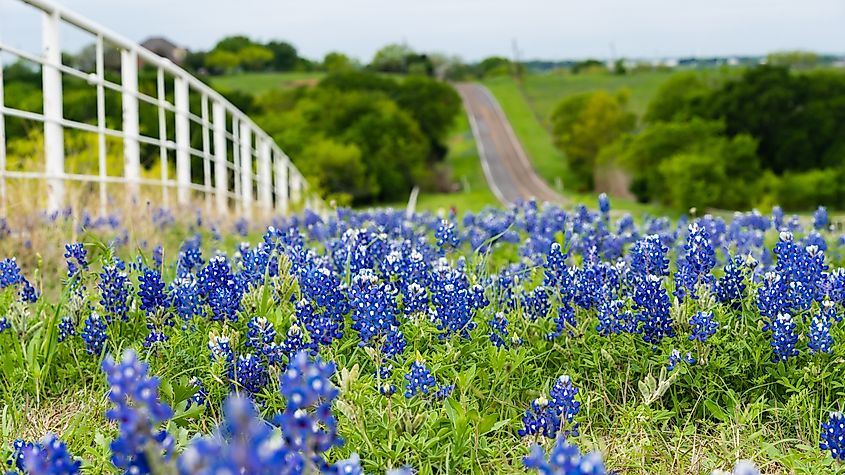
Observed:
{"x":259,"y":83}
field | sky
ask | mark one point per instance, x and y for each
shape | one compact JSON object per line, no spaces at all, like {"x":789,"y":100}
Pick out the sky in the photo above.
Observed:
{"x":470,"y":29}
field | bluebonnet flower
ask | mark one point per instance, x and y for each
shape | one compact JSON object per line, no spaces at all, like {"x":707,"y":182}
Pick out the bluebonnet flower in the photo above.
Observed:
{"x":771,"y":298}
{"x":260,"y":333}
{"x":94,"y":334}
{"x":49,"y":457}
{"x":158,"y":256}
{"x":321,"y":327}
{"x":4,"y":324}
{"x":699,"y":259}
{"x":535,"y":302}
{"x":77,"y":258}
{"x":307,"y":423}
{"x":10,"y":273}
{"x":185,"y":297}
{"x":818,"y":334}
{"x":648,"y":257}
{"x":675,"y":358}
{"x":730,"y":288}
{"x":199,"y":396}
{"x":151,"y":291}
{"x":190,"y":257}
{"x":420,"y":380}
{"x":820,"y":219}
{"x":373,"y":306}
{"x":833,"y":436}
{"x":498,"y":330}
{"x":66,"y":329}
{"x":612,"y":318}
{"x":243,"y":443}
{"x":114,"y":291}
{"x":221,"y":289}
{"x":604,"y":203}
{"x":703,"y":326}
{"x":564,"y":459}
{"x":549,"y":416}
{"x":446,"y":236}
{"x":221,"y":349}
{"x":415,"y":299}
{"x":250,"y":374}
{"x":453,"y":301}
{"x":783,"y":337}
{"x":28,"y":294}
{"x":137,"y":411}
{"x":19,"y":448}
{"x":651,"y":301}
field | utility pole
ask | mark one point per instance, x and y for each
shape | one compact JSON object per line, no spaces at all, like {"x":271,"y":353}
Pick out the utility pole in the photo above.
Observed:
{"x":517,"y":61}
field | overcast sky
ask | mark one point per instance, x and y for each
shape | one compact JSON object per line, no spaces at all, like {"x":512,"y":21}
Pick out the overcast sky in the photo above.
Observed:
{"x":471,"y":29}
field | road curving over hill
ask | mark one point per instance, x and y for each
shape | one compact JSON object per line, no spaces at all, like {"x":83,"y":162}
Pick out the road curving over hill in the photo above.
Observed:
{"x":506,"y":167}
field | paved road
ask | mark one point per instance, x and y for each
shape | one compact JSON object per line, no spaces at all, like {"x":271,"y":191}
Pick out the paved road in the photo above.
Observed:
{"x":506,"y":167}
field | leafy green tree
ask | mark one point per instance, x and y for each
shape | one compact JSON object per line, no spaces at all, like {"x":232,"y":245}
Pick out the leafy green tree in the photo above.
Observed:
{"x":338,"y":169}
{"x":584,"y":123}
{"x":494,"y":66}
{"x":254,"y":58}
{"x":435,"y":105}
{"x":392,"y":58}
{"x":233,"y":44}
{"x":285,"y":56}
{"x":798,"y":119}
{"x":678,"y":98}
{"x":221,"y":61}
{"x":654,"y":156}
{"x":335,"y":62}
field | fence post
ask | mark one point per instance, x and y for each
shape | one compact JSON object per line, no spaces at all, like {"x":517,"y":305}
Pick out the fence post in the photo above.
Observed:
{"x":54,"y":142}
{"x":131,"y":146}
{"x":281,"y":166}
{"x":245,"y":138}
{"x":183,"y":141}
{"x":296,"y":187}
{"x":221,"y":174}
{"x":101,"y":123}
{"x":2,"y":146}
{"x":265,"y":181}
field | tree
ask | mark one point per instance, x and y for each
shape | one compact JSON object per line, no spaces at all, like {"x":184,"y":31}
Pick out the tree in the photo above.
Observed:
{"x":335,"y":62}
{"x":433,"y":104}
{"x":221,"y":61}
{"x":338,"y":169}
{"x":392,"y":58}
{"x":233,"y":44}
{"x":254,"y":58}
{"x":494,"y":66}
{"x":584,"y":123}
{"x":678,"y":98}
{"x":285,"y":56}
{"x":645,"y":157}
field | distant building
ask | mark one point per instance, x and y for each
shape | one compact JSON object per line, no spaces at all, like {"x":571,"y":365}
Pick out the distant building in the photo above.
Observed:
{"x":165,"y":48}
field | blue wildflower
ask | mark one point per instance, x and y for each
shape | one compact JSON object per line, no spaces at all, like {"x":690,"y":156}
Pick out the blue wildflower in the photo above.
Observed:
{"x":94,"y":334}
{"x":77,"y":258}
{"x":833,"y":436}
{"x":49,"y":457}
{"x":783,"y":338}
{"x":703,"y":326}
{"x":564,"y":459}
{"x":137,"y":411}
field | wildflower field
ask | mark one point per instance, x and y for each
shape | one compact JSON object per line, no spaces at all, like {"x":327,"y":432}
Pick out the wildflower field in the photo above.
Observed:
{"x":523,"y":340}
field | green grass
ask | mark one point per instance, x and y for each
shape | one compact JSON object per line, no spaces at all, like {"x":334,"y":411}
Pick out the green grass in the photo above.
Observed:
{"x":259,"y":83}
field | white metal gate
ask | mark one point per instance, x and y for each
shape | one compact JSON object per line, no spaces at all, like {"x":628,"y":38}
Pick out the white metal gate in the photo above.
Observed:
{"x":231,"y":142}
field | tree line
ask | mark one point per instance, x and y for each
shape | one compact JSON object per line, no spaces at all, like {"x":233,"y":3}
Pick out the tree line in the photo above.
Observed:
{"x":770,"y":135}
